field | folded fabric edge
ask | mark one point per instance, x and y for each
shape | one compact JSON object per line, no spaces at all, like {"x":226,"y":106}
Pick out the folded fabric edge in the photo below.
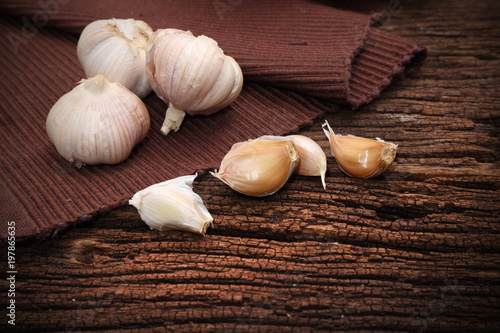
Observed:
{"x":349,"y":62}
{"x":384,"y":59}
{"x":352,"y":96}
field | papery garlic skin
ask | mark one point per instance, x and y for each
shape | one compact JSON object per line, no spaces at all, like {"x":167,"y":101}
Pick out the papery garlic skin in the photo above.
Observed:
{"x":173,"y":205}
{"x":116,"y":48}
{"x":191,"y":74}
{"x":98,"y":122}
{"x":259,"y":167}
{"x":360,"y":157}
{"x":312,"y":158}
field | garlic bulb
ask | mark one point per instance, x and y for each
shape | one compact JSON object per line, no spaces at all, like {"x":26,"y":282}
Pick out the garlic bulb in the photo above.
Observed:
{"x":190,"y":73}
{"x":173,"y":205}
{"x":258,"y":167}
{"x":117,"y":49}
{"x":360,"y":157}
{"x":312,"y":158}
{"x":98,"y":122}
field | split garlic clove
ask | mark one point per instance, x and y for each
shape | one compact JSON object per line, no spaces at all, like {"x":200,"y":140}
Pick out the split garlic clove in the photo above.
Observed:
{"x":173,"y":205}
{"x":360,"y":157}
{"x":98,"y":122}
{"x":312,"y":158}
{"x":191,"y":74}
{"x":117,"y":48}
{"x":259,"y":167}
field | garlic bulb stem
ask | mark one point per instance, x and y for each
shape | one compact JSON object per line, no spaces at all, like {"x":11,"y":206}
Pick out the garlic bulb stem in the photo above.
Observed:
{"x":173,"y":119}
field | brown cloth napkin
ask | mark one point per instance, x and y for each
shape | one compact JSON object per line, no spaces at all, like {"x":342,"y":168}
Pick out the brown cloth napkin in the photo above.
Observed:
{"x":299,"y":58}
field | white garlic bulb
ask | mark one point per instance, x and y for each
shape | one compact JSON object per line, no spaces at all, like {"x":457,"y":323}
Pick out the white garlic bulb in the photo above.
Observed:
{"x":98,"y":122}
{"x":173,"y":205}
{"x":117,"y":49}
{"x":190,"y":73}
{"x":258,"y":167}
{"x":312,"y":158}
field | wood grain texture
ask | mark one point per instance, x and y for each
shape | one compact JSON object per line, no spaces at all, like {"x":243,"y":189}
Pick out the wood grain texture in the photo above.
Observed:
{"x":417,"y":249}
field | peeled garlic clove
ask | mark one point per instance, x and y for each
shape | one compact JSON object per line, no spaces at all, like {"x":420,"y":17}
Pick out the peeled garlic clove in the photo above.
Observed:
{"x":173,"y":205}
{"x":98,"y":122}
{"x":312,"y":158}
{"x":258,"y":167}
{"x":190,"y":73}
{"x":117,"y":48}
{"x":360,"y":157}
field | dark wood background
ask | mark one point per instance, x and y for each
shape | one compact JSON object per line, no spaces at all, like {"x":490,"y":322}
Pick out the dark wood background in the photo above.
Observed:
{"x":417,"y":249}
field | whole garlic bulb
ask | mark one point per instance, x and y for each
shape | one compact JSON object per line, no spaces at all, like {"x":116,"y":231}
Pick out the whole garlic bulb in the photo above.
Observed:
{"x":173,"y":205}
{"x":259,"y":167}
{"x":117,"y":49}
{"x":190,"y":73}
{"x":98,"y":122}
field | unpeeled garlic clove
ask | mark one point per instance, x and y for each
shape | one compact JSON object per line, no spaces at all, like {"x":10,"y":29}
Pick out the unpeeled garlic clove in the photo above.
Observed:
{"x":117,"y":48}
{"x":191,"y":74}
{"x":312,"y":158}
{"x":98,"y":122}
{"x":258,"y":167}
{"x":360,"y":157}
{"x":173,"y":205}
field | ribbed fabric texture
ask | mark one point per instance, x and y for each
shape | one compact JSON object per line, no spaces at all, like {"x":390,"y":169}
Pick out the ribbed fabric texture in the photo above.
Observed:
{"x":299,"y":59}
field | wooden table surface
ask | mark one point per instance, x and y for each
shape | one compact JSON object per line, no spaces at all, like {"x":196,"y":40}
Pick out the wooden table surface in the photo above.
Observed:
{"x":417,"y":249}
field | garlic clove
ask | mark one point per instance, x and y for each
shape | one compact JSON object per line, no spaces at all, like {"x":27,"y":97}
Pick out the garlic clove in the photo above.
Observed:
{"x":173,"y":205}
{"x":98,"y":122}
{"x":191,"y":74}
{"x":360,"y":157}
{"x":117,"y":48}
{"x":259,"y":167}
{"x":312,"y":158}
